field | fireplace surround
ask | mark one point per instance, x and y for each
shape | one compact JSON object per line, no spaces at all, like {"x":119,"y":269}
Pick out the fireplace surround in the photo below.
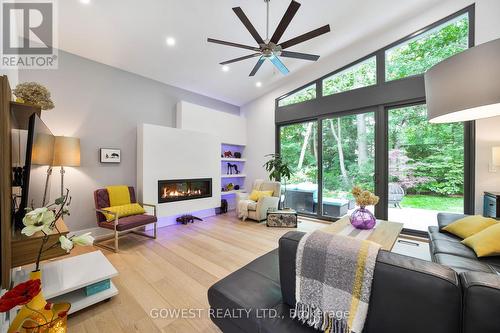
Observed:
{"x":173,"y":190}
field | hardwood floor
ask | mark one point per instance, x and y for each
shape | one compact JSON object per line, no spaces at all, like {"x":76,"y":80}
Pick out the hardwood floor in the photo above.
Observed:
{"x":174,"y":272}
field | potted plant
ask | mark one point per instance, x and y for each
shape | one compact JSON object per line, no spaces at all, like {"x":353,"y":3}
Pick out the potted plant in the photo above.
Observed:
{"x":36,"y":314}
{"x":278,"y":170}
{"x":35,"y":94}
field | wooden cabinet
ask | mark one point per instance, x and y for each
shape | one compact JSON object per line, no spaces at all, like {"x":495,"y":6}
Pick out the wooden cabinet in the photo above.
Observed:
{"x":491,"y":205}
{"x":25,"y":249}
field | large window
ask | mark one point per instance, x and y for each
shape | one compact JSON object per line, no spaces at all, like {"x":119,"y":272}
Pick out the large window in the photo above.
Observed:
{"x":299,"y":148}
{"x":348,"y":160}
{"x":363,"y":130}
{"x":360,"y":75}
{"x":426,"y":168}
{"x":303,"y":95}
{"x":419,"y":54}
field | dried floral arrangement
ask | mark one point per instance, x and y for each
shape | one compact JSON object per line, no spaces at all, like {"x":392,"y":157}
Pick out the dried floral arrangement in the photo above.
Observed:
{"x":34,"y":93}
{"x":364,"y":198}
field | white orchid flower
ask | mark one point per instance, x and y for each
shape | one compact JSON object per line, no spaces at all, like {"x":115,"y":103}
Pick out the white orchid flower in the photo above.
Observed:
{"x":83,"y":240}
{"x":66,"y":243}
{"x":37,"y":220}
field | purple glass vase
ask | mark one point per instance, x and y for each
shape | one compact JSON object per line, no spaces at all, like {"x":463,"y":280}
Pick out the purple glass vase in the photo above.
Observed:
{"x":363,"y":219}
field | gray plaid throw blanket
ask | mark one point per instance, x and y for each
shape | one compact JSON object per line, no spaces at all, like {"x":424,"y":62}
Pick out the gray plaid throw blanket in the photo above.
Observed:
{"x":333,"y":281}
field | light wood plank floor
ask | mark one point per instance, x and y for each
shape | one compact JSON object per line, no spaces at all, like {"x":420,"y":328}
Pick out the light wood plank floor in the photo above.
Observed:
{"x":174,"y":272}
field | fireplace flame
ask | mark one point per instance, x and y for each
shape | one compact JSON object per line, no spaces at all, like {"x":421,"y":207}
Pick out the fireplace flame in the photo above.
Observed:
{"x":175,"y":193}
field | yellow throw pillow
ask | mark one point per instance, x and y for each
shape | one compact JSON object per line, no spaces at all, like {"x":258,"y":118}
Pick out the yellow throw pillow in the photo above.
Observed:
{"x":469,"y":225}
{"x":485,"y":243}
{"x":256,"y":195}
{"x":123,"y":211}
{"x":118,"y":195}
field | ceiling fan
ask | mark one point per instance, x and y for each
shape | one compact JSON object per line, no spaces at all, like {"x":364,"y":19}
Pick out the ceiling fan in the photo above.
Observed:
{"x":271,"y":48}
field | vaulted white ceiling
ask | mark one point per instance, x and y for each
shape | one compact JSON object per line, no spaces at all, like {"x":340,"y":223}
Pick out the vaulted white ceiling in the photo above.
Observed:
{"x":130,"y":35}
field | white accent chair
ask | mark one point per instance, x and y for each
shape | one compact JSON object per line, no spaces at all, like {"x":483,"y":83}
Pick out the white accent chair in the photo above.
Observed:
{"x":258,"y":210}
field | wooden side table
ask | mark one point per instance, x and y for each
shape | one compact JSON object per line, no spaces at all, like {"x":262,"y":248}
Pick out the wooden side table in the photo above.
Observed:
{"x":491,"y":204}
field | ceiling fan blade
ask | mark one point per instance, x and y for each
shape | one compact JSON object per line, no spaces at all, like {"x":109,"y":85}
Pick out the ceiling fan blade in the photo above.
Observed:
{"x":240,"y":58}
{"x":257,"y":66}
{"x":246,"y":22}
{"x":298,"y":55}
{"x":309,"y":35}
{"x":241,"y":46}
{"x":285,"y":21}
{"x":281,"y":66}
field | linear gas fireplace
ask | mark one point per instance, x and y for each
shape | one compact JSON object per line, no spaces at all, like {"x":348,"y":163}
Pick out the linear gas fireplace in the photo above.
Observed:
{"x":184,"y":189}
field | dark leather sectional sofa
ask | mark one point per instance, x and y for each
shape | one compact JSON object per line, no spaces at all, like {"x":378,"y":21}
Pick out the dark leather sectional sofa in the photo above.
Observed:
{"x":408,"y":295}
{"x":447,"y":250}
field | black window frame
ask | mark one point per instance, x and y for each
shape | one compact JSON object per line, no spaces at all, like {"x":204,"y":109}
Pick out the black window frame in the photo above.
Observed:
{"x":382,"y":96}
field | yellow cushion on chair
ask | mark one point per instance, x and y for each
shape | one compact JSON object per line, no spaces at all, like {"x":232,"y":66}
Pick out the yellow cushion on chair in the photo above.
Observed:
{"x":256,"y":195}
{"x":118,"y":195}
{"x":485,"y":243}
{"x":470,"y":225}
{"x":123,"y":211}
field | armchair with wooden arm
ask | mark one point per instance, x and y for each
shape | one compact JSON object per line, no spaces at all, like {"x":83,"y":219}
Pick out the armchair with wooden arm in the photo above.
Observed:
{"x":121,"y":225}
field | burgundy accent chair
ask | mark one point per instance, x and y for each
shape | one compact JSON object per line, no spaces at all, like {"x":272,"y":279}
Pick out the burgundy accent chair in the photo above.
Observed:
{"x":122,"y":225}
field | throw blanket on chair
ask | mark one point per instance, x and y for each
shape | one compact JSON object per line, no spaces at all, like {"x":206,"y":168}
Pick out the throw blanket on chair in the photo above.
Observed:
{"x":243,"y":209}
{"x":333,"y":282}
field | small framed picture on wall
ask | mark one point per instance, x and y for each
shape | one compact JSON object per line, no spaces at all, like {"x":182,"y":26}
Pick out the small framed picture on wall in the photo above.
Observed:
{"x":110,"y":155}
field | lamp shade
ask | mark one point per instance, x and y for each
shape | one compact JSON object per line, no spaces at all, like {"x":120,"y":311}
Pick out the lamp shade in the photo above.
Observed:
{"x":66,"y":151}
{"x":495,"y":156}
{"x":466,"y":86}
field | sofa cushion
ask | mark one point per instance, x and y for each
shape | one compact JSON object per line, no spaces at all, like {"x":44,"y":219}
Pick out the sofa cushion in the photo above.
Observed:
{"x":485,"y":243}
{"x":130,"y":222}
{"x":452,"y":247}
{"x":469,"y":225}
{"x":435,"y":234}
{"x":249,"y":290}
{"x":445,"y":219}
{"x":462,"y":264}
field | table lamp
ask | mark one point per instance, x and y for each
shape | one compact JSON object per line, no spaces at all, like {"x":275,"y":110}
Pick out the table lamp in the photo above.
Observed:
{"x":465,"y":86}
{"x":66,"y":153}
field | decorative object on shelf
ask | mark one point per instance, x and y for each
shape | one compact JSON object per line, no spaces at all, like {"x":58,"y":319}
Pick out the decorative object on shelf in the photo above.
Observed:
{"x":110,"y":155}
{"x":231,"y":167}
{"x":33,"y":93}
{"x":66,"y":153}
{"x":278,"y":170}
{"x":237,"y":154}
{"x":185,"y":219}
{"x":362,"y":218}
{"x":36,"y":311}
{"x":465,"y":86}
{"x":229,"y":187}
{"x":236,"y":187}
{"x":228,"y":154}
{"x":282,"y":218}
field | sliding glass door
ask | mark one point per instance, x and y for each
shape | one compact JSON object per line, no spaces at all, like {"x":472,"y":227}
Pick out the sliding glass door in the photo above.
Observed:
{"x":299,"y":148}
{"x":426,"y":167}
{"x":348,"y":159}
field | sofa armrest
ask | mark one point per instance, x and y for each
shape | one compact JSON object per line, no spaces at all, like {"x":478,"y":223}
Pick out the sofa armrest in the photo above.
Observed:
{"x":264,"y":204}
{"x":445,"y":219}
{"x":288,"y":244}
{"x":481,"y":302}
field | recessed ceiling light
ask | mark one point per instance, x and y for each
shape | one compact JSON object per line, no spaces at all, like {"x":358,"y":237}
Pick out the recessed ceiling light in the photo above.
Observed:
{"x":86,"y":2}
{"x":225,"y":68}
{"x":170,"y":41}
{"x":258,"y":84}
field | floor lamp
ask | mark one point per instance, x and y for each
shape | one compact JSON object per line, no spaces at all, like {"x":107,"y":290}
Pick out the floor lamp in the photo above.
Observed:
{"x":466,"y":86}
{"x":66,"y":153}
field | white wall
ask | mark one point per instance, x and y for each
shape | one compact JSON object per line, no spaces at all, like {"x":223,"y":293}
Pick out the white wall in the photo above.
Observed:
{"x":231,"y":129}
{"x":166,"y":153}
{"x":260,"y":113}
{"x":103,"y":106}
